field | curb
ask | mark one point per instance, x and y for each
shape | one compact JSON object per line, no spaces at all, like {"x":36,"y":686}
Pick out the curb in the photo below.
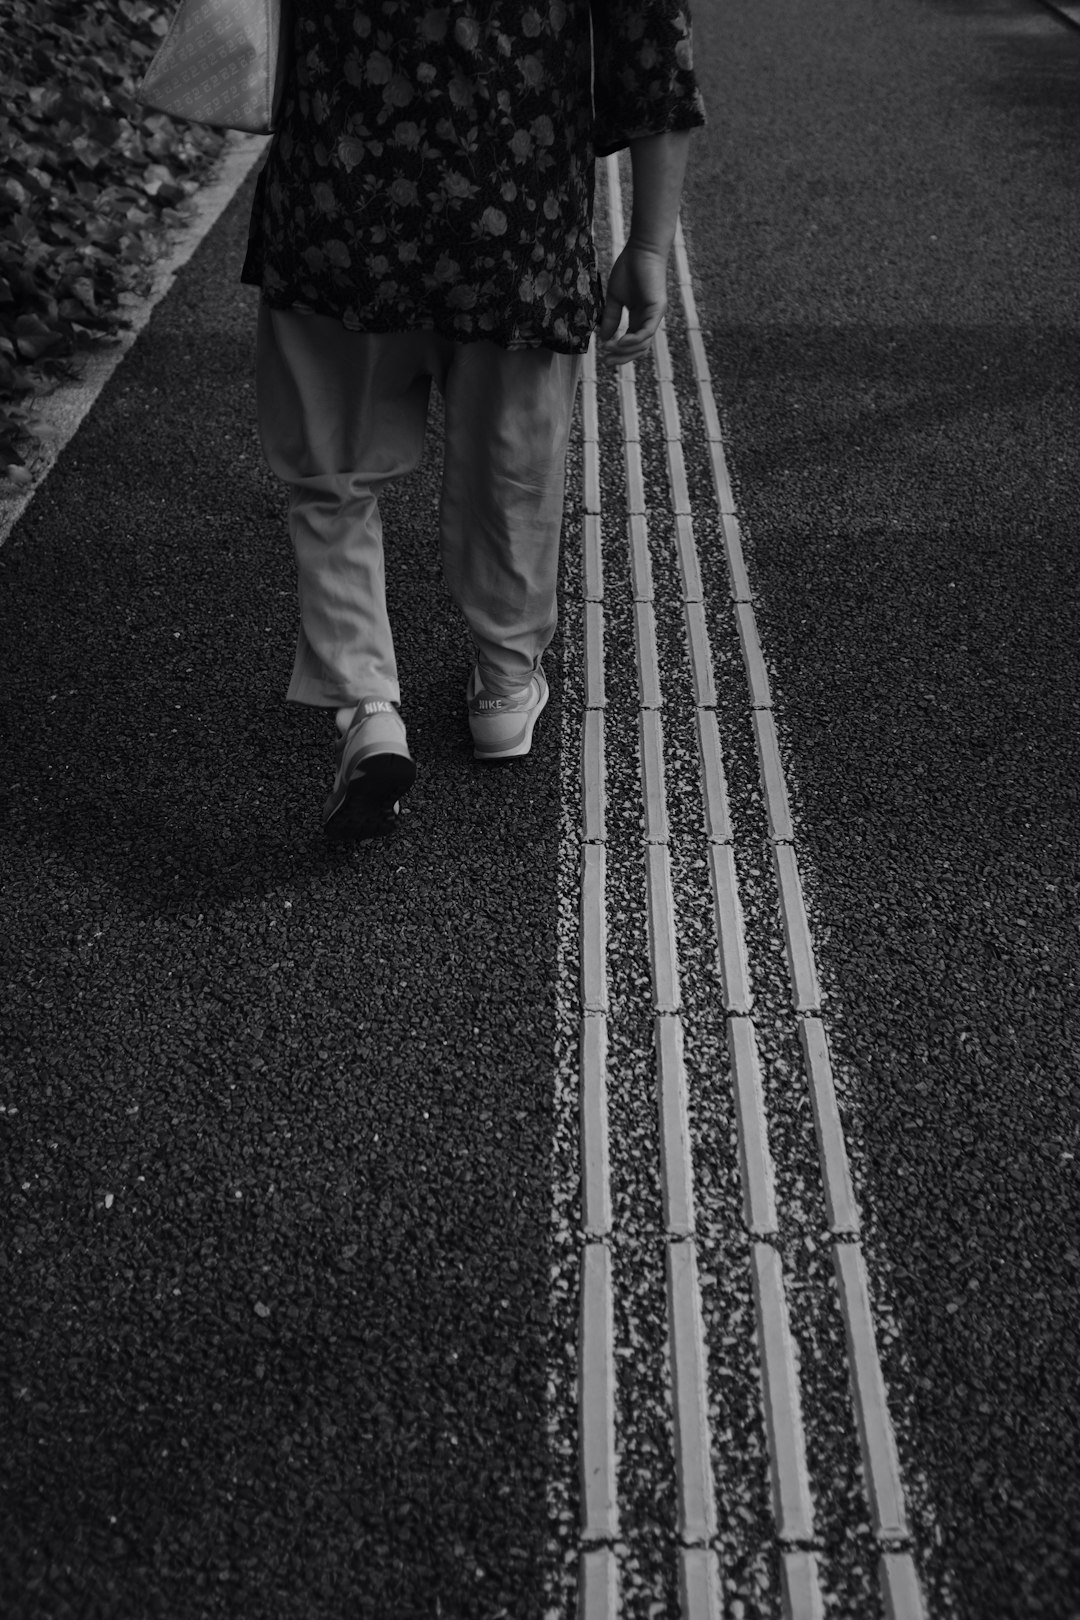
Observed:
{"x":62,"y":412}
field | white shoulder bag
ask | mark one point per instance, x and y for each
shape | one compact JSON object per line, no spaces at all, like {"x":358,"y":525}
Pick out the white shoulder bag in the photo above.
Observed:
{"x":223,"y":62}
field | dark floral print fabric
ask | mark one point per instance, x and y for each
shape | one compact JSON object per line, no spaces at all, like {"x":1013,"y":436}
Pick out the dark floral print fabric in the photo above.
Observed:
{"x":433,"y":168}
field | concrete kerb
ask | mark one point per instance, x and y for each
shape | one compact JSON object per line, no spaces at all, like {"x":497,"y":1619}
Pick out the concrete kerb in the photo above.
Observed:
{"x":61,"y":413}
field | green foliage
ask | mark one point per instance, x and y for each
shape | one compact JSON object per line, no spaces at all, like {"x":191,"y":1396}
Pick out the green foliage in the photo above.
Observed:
{"x":89,"y":184}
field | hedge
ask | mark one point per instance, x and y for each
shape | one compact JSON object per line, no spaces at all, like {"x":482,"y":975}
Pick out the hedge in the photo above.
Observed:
{"x":90,"y":183}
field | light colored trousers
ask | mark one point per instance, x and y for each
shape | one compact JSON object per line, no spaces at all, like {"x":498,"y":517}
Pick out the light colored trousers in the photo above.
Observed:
{"x":340,"y":414}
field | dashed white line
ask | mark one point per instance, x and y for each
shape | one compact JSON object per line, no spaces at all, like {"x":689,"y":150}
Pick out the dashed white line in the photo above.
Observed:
{"x":640,"y":560}
{"x":840,"y":1206}
{"x":772,"y":776}
{"x":900,"y":1584}
{"x":675,"y":1162}
{"x":598,"y":1583}
{"x":599,"y":1494}
{"x":882,"y":1469}
{"x":593,"y":778}
{"x":758,"y":1180}
{"x":730,"y":935}
{"x":663,"y":950}
{"x":792,"y":1507}
{"x":595,"y":1175}
{"x":653,"y":783}
{"x":594,"y":993}
{"x":713,"y":780}
{"x":686,"y":551}
{"x":700,"y":1578}
{"x":802,"y":968}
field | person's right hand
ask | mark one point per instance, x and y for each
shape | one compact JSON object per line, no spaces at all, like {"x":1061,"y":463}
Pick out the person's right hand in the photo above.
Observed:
{"x":638,"y":285}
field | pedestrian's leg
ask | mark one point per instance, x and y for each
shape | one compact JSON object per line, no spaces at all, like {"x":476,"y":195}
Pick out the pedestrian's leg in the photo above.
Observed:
{"x":340,"y":413}
{"x":508,"y":419}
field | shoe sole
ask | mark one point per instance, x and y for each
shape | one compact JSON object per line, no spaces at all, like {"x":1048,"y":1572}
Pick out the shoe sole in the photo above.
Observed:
{"x":520,"y":748}
{"x":368,"y":807}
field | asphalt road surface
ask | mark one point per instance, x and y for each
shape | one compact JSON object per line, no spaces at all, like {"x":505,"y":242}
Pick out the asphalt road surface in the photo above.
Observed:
{"x":290,"y":1131}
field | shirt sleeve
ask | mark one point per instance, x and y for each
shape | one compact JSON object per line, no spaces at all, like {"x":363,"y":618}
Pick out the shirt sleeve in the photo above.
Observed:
{"x":643,"y":75}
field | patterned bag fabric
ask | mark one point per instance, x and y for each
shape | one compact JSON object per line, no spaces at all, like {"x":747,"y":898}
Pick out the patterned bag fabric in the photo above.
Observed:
{"x":223,"y":62}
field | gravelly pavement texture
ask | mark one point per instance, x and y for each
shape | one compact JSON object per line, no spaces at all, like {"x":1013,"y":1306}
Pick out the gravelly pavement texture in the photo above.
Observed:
{"x":885,"y":230}
{"x":279,"y":1233}
{"x":278,"y":1117}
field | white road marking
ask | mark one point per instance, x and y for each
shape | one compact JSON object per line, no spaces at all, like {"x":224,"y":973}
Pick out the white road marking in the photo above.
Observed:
{"x":700,"y":1579}
{"x":880,"y":1463}
{"x":598,"y":1574}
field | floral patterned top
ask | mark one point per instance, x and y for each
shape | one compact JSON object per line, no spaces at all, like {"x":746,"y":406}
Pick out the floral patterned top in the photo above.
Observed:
{"x":433,"y":165}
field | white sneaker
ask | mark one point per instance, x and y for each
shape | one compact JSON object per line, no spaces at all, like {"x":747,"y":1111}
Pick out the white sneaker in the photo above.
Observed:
{"x":374,"y":768}
{"x":502,"y":727}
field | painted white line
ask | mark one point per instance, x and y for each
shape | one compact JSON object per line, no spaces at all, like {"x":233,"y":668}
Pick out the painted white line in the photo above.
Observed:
{"x":686,"y":551}
{"x":595,"y":692}
{"x":772,"y":777}
{"x":62,"y":413}
{"x":805,"y":990}
{"x":592,"y":561}
{"x":801,"y":1586}
{"x":738,"y":579}
{"x":680,"y":493}
{"x":699,"y":1577}
{"x":590,"y":412}
{"x":759,"y":1202}
{"x":880,"y":1464}
{"x":635,"y":478}
{"x":599,"y":1499}
{"x":598,"y":1586}
{"x":594,"y":989}
{"x":700,"y":367}
{"x":593,"y":778}
{"x":665,"y":378}
{"x":756,"y":674}
{"x":592,"y":484}
{"x":693,"y":1464}
{"x":653,"y":790}
{"x":722,"y":480}
{"x":669,"y":407}
{"x":648,"y":664}
{"x":595,"y":1175}
{"x":713,"y":780}
{"x":900,"y":1587}
{"x":701,"y":665}
{"x":840,"y":1204}
{"x":667,"y":997}
{"x":728,"y":927}
{"x":640,"y":561}
{"x":700,"y":1592}
{"x":792,"y":1506}
{"x":631,"y":426}
{"x":675,"y":1163}
{"x":787,"y":1452}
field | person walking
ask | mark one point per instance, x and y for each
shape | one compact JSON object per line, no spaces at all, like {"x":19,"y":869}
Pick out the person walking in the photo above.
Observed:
{"x":424,"y":214}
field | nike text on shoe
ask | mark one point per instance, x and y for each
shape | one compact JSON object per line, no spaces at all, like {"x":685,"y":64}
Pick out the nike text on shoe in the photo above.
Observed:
{"x":374,"y":769}
{"x":502,"y":727}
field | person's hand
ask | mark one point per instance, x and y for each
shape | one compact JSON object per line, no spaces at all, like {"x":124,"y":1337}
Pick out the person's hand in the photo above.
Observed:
{"x":638,"y":284}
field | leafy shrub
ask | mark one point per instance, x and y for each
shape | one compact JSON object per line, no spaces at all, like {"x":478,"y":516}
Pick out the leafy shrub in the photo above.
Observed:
{"x":89,"y":183}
